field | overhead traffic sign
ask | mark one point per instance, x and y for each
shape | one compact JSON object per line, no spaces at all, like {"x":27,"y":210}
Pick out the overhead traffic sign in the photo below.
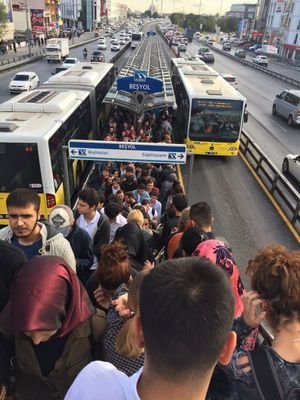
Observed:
{"x":140,"y":82}
{"x":96,"y":150}
{"x":151,"y":33}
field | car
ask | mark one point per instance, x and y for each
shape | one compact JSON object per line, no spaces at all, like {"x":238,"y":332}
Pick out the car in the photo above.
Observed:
{"x":97,"y":57}
{"x":101,"y":46}
{"x":291,"y":166}
{"x":287,"y":104}
{"x":69,"y":62}
{"x":184,"y":40}
{"x":115,"y":46}
{"x":230,"y":78}
{"x":127,"y":38}
{"x":182,"y":47}
{"x":210,"y":42}
{"x":197,"y":57}
{"x":253,"y":47}
{"x":261,"y":60}
{"x":258,"y":50}
{"x":208,"y":58}
{"x":122,"y":41}
{"x":240,"y":53}
{"x":23,"y":81}
{"x":113,"y":37}
{"x":226,"y":46}
{"x":101,"y":40}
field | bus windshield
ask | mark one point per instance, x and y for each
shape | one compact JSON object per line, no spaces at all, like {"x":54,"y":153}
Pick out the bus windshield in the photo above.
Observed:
{"x":215,"y":119}
{"x":20,"y":167}
{"x":136,"y":36}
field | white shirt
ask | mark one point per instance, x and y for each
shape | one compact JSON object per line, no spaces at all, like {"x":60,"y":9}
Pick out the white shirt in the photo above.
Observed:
{"x":90,"y":227}
{"x":102,"y":381}
{"x":120,"y":221}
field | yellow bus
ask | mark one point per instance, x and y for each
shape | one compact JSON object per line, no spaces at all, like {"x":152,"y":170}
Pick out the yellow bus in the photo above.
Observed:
{"x":211,"y":111}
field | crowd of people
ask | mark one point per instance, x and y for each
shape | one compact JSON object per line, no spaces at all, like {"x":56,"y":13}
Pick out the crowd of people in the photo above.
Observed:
{"x":88,"y":312}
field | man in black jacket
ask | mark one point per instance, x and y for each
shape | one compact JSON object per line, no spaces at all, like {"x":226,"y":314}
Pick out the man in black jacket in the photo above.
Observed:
{"x":11,"y":259}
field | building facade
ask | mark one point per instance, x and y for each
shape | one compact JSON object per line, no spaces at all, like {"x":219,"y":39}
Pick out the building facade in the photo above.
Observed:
{"x":247,"y":14}
{"x":283,"y":27}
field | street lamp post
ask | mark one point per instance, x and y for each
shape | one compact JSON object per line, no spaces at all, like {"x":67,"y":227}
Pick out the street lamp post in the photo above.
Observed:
{"x":27,"y":29}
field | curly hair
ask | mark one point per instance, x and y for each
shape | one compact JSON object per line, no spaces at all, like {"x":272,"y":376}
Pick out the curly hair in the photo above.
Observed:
{"x":275,"y":275}
{"x":114,"y":266}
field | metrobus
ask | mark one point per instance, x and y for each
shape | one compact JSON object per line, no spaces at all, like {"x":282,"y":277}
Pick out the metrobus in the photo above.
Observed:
{"x":136,"y":39}
{"x":96,"y":79}
{"x":33,"y":128}
{"x":211,"y":111}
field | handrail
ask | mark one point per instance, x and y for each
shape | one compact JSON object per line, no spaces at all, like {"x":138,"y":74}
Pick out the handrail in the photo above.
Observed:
{"x":282,"y":191}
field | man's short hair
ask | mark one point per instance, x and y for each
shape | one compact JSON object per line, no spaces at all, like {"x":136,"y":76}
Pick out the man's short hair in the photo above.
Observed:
{"x":186,"y":308}
{"x":142,"y":186}
{"x":201,"y":214}
{"x":180,"y":201}
{"x":112,"y":209}
{"x":22,"y":198}
{"x":89,"y":196}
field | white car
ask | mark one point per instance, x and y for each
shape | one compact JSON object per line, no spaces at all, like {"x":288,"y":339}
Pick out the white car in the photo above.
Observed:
{"x":291,"y":165}
{"x":115,"y":46}
{"x":69,"y":62}
{"x":182,"y":47}
{"x":23,"y":81}
{"x":122,"y":41}
{"x":101,"y":46}
{"x":101,"y":40}
{"x":261,"y":60}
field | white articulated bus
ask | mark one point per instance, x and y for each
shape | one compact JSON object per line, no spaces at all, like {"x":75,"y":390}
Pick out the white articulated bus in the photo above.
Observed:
{"x":33,"y":128}
{"x":211,"y":111}
{"x":136,"y":39}
{"x":96,"y":79}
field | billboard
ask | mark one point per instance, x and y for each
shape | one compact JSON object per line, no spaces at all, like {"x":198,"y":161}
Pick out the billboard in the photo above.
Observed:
{"x":37,"y":20}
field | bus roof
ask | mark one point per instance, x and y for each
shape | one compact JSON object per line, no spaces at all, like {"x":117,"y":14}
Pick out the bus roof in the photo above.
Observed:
{"x":36,"y":115}
{"x":201,"y":80}
{"x":81,"y":75}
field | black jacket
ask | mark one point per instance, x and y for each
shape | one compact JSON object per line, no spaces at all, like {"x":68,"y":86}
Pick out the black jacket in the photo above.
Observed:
{"x":82,"y":247}
{"x":11,"y":258}
{"x":132,"y":236}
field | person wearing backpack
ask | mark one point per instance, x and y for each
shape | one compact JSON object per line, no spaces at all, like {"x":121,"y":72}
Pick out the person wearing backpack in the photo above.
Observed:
{"x":271,"y":372}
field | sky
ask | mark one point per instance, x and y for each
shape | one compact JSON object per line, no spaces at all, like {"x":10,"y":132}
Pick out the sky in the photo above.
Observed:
{"x":188,"y":6}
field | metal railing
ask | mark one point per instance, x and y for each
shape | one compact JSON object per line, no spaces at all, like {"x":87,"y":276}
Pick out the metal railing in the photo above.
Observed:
{"x":282,"y":191}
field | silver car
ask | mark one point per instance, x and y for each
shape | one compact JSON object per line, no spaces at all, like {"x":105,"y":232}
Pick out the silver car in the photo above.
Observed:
{"x":291,"y":165}
{"x":287,"y":104}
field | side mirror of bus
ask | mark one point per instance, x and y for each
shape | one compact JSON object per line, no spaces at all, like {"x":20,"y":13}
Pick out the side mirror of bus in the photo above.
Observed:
{"x":246,"y":116}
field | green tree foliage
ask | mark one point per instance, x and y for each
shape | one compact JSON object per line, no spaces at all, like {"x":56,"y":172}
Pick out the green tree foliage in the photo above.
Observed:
{"x":3,"y":19}
{"x":228,"y":24}
{"x":208,"y":22}
{"x":155,"y":15}
{"x":147,"y":13}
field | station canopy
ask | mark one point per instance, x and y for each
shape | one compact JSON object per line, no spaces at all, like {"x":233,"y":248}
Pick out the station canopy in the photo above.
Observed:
{"x":148,"y":57}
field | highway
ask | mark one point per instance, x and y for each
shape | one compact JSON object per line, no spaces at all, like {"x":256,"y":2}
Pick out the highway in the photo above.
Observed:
{"x":44,"y":70}
{"x":272,"y":133}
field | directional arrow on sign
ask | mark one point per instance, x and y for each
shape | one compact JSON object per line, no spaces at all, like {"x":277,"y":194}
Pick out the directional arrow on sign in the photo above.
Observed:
{"x":74,"y":152}
{"x":180,"y":156}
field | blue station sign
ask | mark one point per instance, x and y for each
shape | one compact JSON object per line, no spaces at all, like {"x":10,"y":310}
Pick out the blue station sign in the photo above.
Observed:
{"x":140,"y":82}
{"x":97,"y":150}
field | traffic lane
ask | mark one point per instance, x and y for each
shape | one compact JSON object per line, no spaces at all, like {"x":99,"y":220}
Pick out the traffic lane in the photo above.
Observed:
{"x":44,"y":69}
{"x":272,"y":134}
{"x":260,"y":91}
{"x":242,"y":213}
{"x":276,"y":67}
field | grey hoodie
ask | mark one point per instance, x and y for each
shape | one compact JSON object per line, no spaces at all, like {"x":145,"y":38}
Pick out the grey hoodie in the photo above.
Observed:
{"x":53,"y":243}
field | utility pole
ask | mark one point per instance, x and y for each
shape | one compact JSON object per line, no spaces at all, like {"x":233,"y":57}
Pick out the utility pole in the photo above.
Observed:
{"x":200,"y":25}
{"x":27,"y":28}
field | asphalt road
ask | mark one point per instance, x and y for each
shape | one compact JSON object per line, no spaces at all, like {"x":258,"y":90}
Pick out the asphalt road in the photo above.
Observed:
{"x":44,"y":70}
{"x":271,"y":133}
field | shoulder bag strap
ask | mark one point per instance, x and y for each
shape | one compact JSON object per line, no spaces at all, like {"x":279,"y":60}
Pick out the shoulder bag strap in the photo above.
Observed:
{"x":264,"y":375}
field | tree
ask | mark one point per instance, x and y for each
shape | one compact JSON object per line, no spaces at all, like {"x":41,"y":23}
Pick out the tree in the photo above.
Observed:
{"x":147,"y":13}
{"x":228,"y":24}
{"x":3,"y":19}
{"x":155,"y":15}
